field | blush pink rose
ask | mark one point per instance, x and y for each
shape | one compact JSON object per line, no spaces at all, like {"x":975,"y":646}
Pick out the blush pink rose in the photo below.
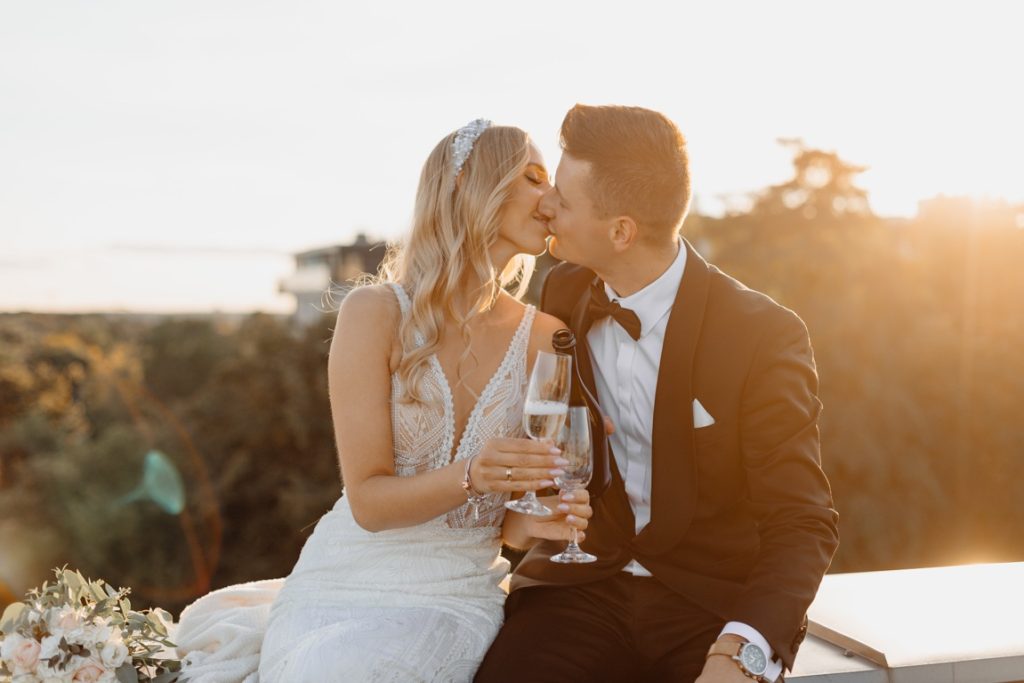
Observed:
{"x":68,"y":622}
{"x":26,"y":655}
{"x":90,"y":672}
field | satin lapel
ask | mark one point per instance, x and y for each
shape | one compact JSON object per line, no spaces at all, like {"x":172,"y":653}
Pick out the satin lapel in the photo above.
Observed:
{"x":674,"y":476}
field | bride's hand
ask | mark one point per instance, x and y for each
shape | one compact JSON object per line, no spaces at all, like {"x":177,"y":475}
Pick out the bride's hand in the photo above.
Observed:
{"x":515,"y":465}
{"x":572,"y":509}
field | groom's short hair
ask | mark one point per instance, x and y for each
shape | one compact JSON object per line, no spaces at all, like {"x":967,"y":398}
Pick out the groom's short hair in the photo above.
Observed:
{"x":638,"y":163}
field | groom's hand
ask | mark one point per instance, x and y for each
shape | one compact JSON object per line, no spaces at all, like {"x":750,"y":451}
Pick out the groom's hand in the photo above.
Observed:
{"x":722,"y":669}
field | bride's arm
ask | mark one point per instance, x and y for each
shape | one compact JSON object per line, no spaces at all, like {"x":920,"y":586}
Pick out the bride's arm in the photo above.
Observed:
{"x":359,"y":378}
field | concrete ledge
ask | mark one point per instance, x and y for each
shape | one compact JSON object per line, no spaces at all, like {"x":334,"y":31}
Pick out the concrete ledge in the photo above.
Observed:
{"x":940,"y":625}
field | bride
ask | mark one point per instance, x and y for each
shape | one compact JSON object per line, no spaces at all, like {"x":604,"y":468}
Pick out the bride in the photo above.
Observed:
{"x":427,"y":372}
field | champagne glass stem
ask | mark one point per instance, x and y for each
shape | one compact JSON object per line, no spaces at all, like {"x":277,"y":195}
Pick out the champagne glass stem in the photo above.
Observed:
{"x":573,"y":540}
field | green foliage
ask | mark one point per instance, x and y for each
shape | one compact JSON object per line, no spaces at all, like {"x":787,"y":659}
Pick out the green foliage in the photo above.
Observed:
{"x":247,"y":424}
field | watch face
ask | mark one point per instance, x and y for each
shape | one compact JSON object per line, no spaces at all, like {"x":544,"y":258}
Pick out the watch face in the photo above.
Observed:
{"x":753,"y":659}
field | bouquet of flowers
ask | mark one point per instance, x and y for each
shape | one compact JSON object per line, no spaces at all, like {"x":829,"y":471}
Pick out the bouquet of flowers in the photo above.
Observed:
{"x":81,"y":631}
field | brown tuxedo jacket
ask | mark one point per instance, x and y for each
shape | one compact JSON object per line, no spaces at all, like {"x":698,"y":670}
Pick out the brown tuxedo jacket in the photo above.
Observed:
{"x":742,"y":519}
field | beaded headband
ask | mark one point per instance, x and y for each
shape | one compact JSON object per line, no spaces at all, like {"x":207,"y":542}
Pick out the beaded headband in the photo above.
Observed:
{"x":462,"y":145}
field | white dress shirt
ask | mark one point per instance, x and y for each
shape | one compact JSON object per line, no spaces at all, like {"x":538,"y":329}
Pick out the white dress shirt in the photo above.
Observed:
{"x":626,"y":375}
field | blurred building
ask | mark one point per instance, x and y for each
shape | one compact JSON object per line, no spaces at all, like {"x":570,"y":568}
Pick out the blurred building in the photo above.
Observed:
{"x":323,"y":276}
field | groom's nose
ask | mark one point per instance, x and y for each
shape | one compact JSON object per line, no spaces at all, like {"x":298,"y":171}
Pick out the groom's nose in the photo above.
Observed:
{"x":547,"y":204}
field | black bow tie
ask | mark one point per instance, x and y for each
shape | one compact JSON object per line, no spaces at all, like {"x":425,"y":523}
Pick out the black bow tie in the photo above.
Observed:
{"x":601,"y":307}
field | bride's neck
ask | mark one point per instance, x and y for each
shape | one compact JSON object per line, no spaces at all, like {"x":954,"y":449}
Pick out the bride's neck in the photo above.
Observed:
{"x":472,"y":286}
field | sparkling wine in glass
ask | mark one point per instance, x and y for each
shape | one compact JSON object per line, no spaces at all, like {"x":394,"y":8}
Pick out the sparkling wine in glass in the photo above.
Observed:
{"x":547,"y":401}
{"x":577,"y":449}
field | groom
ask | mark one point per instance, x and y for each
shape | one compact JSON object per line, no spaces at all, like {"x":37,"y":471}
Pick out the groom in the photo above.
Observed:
{"x":713,"y":521}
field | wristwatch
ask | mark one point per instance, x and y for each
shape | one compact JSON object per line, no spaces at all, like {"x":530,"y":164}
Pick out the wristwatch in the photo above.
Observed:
{"x":750,"y":658}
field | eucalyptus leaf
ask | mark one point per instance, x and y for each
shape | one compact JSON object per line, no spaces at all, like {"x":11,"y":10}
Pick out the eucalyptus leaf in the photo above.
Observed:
{"x":97,"y":590}
{"x":126,"y":673}
{"x":72,"y":579}
{"x":11,"y":616}
{"x":158,"y":626}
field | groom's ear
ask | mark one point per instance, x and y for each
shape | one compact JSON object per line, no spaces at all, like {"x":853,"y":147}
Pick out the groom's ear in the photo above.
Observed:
{"x":624,"y":232}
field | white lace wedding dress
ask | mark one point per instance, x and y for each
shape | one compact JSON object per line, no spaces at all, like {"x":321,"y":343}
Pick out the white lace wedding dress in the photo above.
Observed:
{"x":416,"y":604}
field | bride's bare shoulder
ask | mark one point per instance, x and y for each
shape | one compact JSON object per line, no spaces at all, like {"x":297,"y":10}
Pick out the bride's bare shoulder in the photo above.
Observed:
{"x":544,"y":325}
{"x":371,"y":310}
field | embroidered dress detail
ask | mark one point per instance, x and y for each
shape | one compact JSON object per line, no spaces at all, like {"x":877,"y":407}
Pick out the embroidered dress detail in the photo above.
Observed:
{"x":421,"y":603}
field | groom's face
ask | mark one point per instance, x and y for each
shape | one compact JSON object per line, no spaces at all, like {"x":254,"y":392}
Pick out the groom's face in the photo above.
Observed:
{"x":578,"y":233}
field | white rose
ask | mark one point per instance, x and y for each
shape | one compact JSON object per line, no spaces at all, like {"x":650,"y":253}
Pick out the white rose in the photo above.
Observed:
{"x":26,"y":678}
{"x":113,"y":654}
{"x":48,"y":674}
{"x":96,"y":635}
{"x":50,"y":646}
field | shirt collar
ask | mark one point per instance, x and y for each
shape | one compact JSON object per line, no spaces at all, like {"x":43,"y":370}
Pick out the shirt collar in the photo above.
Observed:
{"x":655,"y":300}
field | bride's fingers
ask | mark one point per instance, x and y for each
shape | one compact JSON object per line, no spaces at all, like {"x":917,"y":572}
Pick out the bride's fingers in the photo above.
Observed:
{"x":574,"y":496}
{"x":496,"y":474}
{"x":580,"y":523}
{"x":520,"y":461}
{"x":519,"y":486}
{"x":564,"y":534}
{"x":582,"y":511}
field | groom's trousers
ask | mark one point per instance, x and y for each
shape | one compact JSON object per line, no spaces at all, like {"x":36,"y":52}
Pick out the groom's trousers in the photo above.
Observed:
{"x":623,"y":629}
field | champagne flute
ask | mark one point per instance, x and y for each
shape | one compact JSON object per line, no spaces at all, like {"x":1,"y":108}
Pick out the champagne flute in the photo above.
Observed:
{"x":577,"y":449}
{"x":547,"y":400}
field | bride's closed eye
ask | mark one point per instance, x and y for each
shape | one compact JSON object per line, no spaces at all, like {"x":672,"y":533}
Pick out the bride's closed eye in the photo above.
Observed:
{"x":536,"y":174}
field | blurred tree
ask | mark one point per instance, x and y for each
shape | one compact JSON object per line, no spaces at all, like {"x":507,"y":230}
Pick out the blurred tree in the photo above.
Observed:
{"x":822,"y":188}
{"x":180,"y":355}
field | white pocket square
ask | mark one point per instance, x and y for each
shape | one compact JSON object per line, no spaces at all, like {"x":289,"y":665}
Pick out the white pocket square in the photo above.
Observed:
{"x":701,"y":417}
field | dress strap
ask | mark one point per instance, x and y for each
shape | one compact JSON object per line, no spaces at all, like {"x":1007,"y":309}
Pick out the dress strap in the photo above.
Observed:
{"x":521,"y":341}
{"x":406,"y":303}
{"x":402,"y":296}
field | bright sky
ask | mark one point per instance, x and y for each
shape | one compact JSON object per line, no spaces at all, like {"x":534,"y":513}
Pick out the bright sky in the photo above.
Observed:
{"x":169,"y":156}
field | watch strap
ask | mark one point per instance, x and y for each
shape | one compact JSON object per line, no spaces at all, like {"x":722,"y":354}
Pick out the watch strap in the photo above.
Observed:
{"x":731,"y":649}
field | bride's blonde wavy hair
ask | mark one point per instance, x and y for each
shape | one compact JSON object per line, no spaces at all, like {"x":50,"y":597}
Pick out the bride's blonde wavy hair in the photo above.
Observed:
{"x":455,"y":223}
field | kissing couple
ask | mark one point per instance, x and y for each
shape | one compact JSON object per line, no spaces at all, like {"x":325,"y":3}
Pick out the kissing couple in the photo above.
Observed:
{"x":708,"y":511}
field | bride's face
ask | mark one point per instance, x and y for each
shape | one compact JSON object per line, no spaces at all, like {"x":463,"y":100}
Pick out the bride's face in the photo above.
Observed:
{"x":522,"y":225}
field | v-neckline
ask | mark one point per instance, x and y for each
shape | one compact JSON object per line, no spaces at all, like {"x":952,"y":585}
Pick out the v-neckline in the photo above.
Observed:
{"x":456,"y":446}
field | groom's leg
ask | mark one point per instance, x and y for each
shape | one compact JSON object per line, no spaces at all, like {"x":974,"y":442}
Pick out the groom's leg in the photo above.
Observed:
{"x":678,"y":632}
{"x":564,"y":633}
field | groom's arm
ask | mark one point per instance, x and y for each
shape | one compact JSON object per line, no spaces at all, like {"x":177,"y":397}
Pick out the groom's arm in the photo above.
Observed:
{"x":789,"y":493}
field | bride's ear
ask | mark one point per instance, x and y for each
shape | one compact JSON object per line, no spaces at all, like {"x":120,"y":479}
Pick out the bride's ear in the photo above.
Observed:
{"x":623,"y":232}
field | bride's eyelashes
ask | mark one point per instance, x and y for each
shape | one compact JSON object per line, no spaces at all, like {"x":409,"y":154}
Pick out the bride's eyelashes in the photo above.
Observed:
{"x":536,"y":175}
